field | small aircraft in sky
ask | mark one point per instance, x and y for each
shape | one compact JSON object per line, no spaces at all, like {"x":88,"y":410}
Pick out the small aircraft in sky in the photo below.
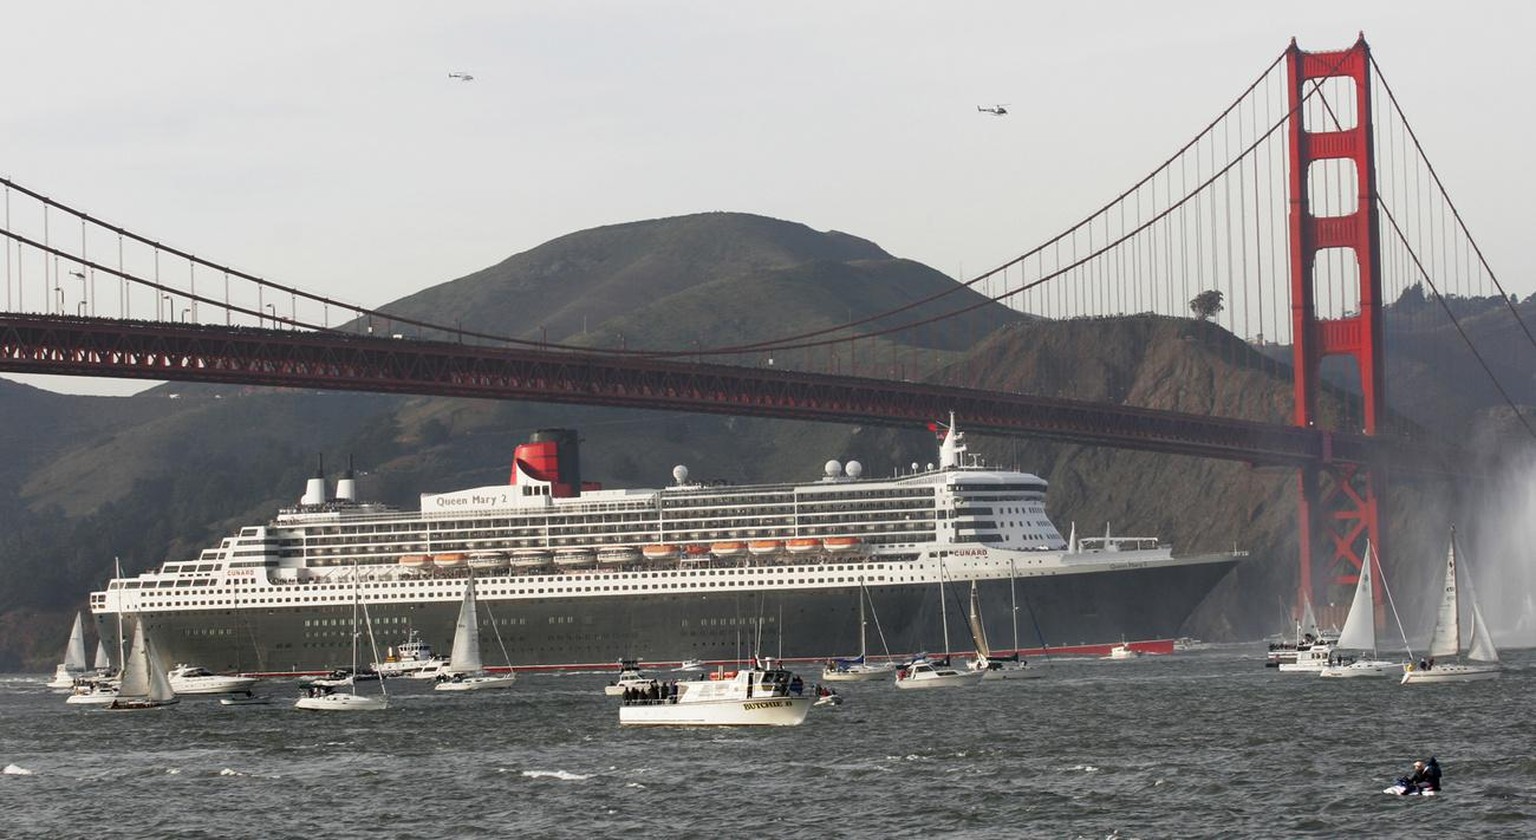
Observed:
{"x":461,"y":76}
{"x":994,"y":110}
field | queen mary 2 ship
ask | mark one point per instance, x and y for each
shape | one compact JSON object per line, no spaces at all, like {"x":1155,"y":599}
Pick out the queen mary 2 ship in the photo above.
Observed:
{"x":572,"y":575}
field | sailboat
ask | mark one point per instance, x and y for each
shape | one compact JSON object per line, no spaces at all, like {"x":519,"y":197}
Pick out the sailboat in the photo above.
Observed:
{"x":995,"y":667}
{"x":924,"y":673}
{"x":1360,"y":630}
{"x":859,"y":669}
{"x":145,"y":684}
{"x":73,"y":667}
{"x":1446,"y":639}
{"x":465,"y":671}
{"x":324,"y":699}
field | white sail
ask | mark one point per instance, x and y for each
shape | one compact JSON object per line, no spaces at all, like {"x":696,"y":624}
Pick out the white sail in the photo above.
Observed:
{"x":1308,"y":625}
{"x":1481,"y":647}
{"x":103,"y":662}
{"x":1360,"y":627}
{"x":1445,"y":641}
{"x":978,"y":632}
{"x":137,"y":666}
{"x":74,"y":655}
{"x":465,"y":658}
{"x":160,"y":689}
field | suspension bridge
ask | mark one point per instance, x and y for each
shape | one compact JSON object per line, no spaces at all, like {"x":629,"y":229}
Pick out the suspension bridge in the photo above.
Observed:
{"x":1281,"y":230}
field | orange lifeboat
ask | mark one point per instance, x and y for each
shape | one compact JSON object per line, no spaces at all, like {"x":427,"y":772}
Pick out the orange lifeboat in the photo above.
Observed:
{"x":449,"y":561}
{"x":414,"y":561}
{"x":764,"y":546}
{"x":841,"y":544}
{"x":695,"y":549}
{"x":728,"y":549}
{"x":801,"y":545}
{"x":659,"y":551}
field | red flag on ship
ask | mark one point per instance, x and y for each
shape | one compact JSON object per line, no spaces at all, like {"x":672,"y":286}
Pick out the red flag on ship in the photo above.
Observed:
{"x":938,"y":430}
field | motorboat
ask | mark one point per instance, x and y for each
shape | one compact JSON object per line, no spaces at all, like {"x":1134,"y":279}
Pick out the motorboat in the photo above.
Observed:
{"x":412,"y":657}
{"x":195,"y":679}
{"x":761,"y":695}
{"x":689,"y":665}
{"x":925,"y":673}
{"x":630,"y":677}
{"x":1123,"y":651}
{"x":94,"y":691}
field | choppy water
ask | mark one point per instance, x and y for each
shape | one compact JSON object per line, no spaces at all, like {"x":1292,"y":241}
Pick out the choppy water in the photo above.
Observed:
{"x":1191,"y":745}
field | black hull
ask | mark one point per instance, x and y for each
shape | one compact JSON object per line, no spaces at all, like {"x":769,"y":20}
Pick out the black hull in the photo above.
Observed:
{"x":1055,"y":611}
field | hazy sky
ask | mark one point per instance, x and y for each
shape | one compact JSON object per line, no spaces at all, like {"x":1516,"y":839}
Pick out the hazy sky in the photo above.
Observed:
{"x":323,"y":144}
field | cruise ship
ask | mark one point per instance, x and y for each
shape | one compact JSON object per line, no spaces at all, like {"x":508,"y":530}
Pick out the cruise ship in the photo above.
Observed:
{"x":571,"y":575}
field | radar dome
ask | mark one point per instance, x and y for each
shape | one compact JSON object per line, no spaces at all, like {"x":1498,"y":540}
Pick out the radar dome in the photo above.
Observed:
{"x":680,"y":474}
{"x":833,"y":469}
{"x":855,"y":469}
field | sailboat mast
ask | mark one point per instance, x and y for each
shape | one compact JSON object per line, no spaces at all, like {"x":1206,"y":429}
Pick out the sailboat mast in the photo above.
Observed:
{"x":863,"y":643}
{"x":1013,"y":596}
{"x":943,"y":611}
{"x":355,"y":631}
{"x":122,"y":656}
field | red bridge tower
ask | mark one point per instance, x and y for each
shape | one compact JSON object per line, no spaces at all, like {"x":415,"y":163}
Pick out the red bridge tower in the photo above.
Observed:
{"x":1337,"y":500}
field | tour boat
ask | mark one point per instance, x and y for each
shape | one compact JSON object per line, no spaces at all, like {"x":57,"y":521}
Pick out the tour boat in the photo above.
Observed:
{"x":759,"y":695}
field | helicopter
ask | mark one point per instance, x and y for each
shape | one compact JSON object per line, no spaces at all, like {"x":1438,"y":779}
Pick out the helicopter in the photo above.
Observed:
{"x":461,"y":76}
{"x":994,"y":110}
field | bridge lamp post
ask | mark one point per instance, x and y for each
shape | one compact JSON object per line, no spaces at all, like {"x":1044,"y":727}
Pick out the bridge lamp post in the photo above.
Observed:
{"x":80,"y":310}
{"x":272,"y":307}
{"x":184,"y":313}
{"x":60,"y":290}
{"x":170,"y":305}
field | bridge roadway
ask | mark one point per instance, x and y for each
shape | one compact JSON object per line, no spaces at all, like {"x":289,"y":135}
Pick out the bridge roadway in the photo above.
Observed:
{"x":77,"y":346}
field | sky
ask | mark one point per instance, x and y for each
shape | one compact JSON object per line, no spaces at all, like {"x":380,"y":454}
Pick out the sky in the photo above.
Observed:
{"x":324,"y":145}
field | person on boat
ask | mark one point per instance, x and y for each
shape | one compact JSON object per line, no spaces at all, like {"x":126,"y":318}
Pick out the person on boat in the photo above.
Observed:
{"x":1418,"y":780}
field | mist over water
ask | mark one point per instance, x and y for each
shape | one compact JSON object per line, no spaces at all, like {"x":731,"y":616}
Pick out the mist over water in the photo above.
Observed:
{"x":1202,"y":744}
{"x":1502,"y":552}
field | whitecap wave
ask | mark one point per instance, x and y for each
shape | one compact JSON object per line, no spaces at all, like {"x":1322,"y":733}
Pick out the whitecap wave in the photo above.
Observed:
{"x":562,"y":775}
{"x":16,"y":770}
{"x":229,"y":772}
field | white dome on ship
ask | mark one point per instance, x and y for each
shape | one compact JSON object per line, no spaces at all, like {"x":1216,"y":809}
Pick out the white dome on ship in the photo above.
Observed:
{"x":854,"y":469}
{"x":680,"y":474}
{"x":833,"y":469}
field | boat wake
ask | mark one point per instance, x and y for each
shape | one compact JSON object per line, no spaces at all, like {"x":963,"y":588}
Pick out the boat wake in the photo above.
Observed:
{"x":562,"y":775}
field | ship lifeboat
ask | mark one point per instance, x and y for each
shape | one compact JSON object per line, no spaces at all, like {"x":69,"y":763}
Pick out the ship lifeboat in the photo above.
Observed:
{"x":764,"y":546}
{"x":695,"y":550}
{"x":660,"y":551}
{"x":618,"y":554}
{"x":487,"y":560}
{"x":573,"y":556}
{"x":801,"y":545}
{"x":414,"y":561}
{"x":728,"y":549}
{"x":839,"y":545}
{"x":449,"y":561}
{"x":530,"y":558}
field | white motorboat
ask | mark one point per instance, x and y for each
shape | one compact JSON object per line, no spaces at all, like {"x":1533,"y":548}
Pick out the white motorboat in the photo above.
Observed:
{"x":761,"y":695}
{"x":923,"y":673}
{"x":1313,"y":650}
{"x":466,"y":671}
{"x":195,"y":679}
{"x":413,"y":658}
{"x":689,"y":665}
{"x":73,"y":667}
{"x":630,"y":677}
{"x":928,"y":674}
{"x":319,"y":698}
{"x":1446,"y":639}
{"x":1360,"y":631}
{"x":827,"y":697}
{"x":1123,"y":651}
{"x":245,"y":699}
{"x":145,"y":685}
{"x":94,"y":691}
